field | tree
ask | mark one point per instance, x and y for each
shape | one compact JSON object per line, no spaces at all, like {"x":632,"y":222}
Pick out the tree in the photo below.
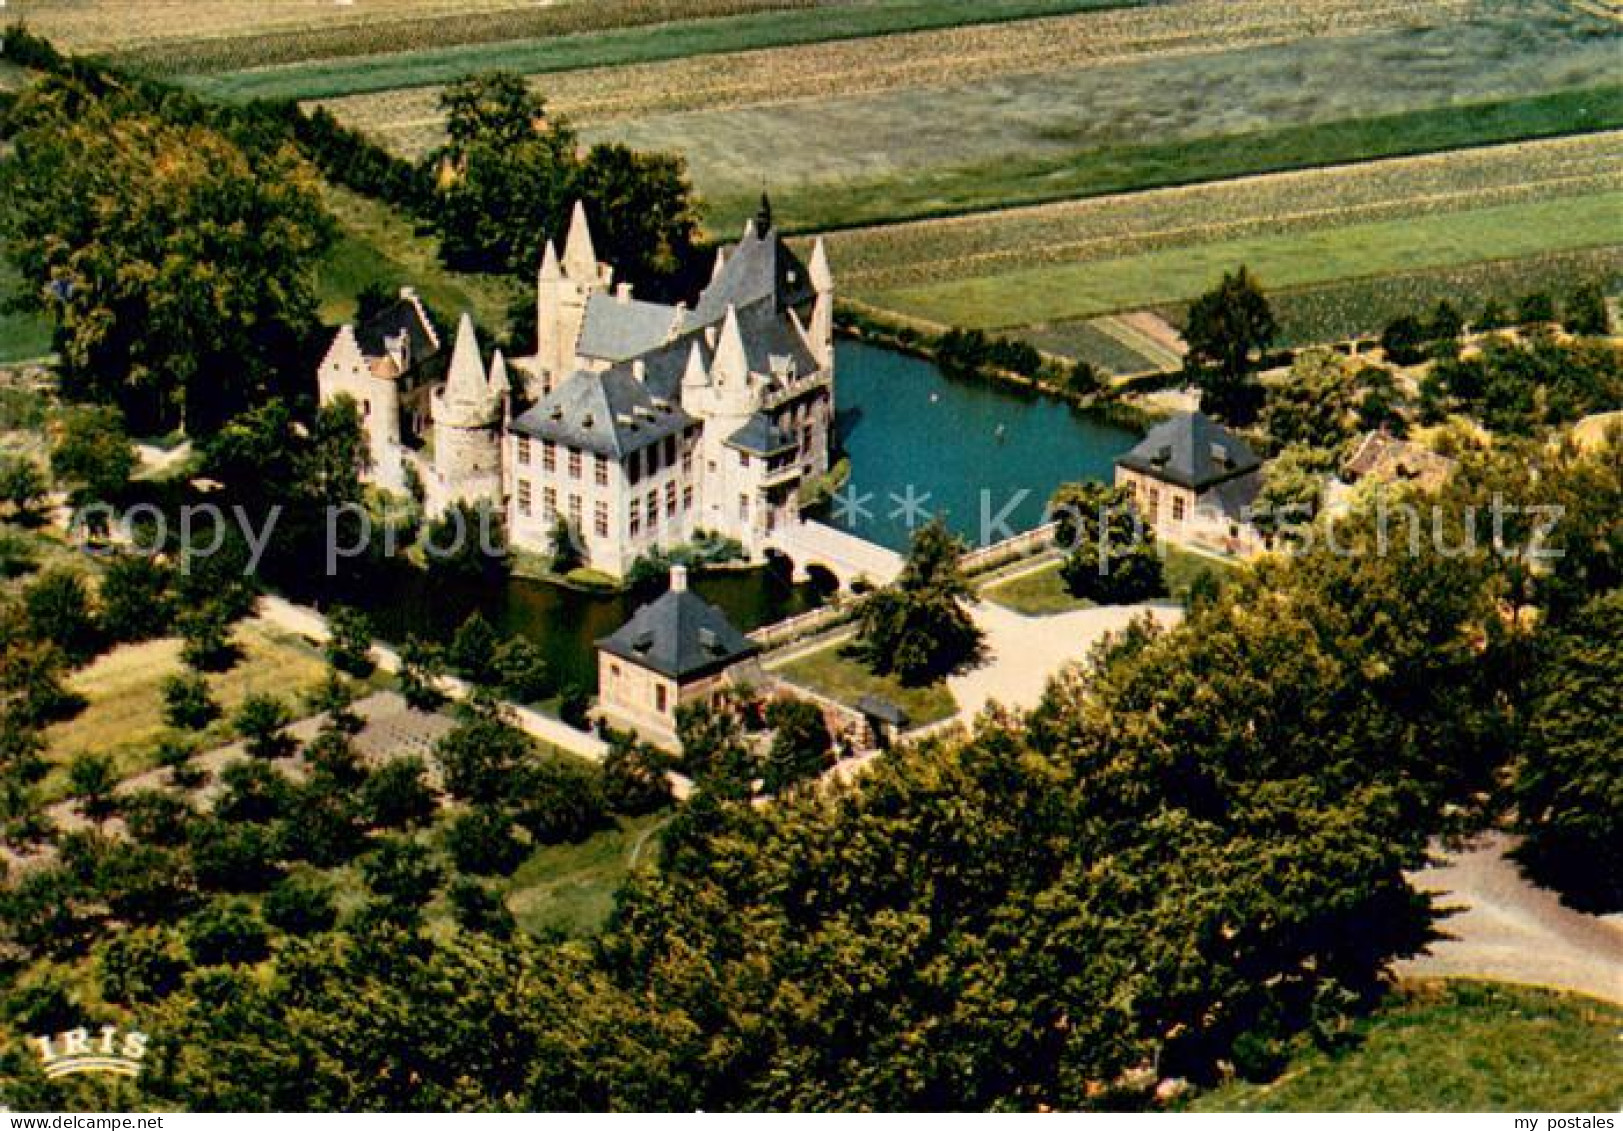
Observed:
{"x":156,"y":817}
{"x":302,"y":904}
{"x":802,"y":747}
{"x":1569,"y":786}
{"x":402,"y":877}
{"x":226,"y":932}
{"x":422,"y":666}
{"x":187,"y":702}
{"x":18,"y":555}
{"x":473,"y":650}
{"x":480,"y":908}
{"x":254,"y":793}
{"x":397,"y":794}
{"x":481,"y":759}
{"x":142,"y":966}
{"x":1110,"y":551}
{"x":1585,"y":311}
{"x":565,"y":547}
{"x":137,"y":597}
{"x":521,"y":670}
{"x":1535,"y":309}
{"x":261,"y":722}
{"x":22,"y":484}
{"x":1404,"y":341}
{"x":635,"y":777}
{"x":349,"y":647}
{"x":468,"y":541}
{"x":918,"y":628}
{"x":643,"y":216}
{"x":176,"y":264}
{"x":1315,"y":405}
{"x":1228,"y":331}
{"x":93,"y":779}
{"x":206,"y":641}
{"x":93,"y":457}
{"x":59,"y":611}
{"x":483,"y":842}
{"x":1292,"y":488}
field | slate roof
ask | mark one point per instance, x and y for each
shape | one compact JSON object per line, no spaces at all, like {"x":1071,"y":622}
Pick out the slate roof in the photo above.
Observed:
{"x":403,"y":316}
{"x":760,"y":267}
{"x":610,"y":413}
{"x":761,"y":437}
{"x":1191,"y":450}
{"x":681,"y":636}
{"x":1387,"y":459}
{"x":619,"y":330}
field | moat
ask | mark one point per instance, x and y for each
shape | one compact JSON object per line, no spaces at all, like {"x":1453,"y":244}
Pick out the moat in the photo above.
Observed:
{"x":902,"y":423}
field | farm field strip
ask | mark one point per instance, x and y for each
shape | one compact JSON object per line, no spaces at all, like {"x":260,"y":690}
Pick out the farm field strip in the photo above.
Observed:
{"x":921,"y":252}
{"x":1053,"y":293}
{"x":599,"y":34}
{"x":411,"y":121}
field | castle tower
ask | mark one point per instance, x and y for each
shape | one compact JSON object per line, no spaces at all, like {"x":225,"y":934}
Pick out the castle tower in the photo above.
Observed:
{"x":345,"y":372}
{"x":467,"y":416}
{"x":562,"y":289}
{"x":821,"y":331}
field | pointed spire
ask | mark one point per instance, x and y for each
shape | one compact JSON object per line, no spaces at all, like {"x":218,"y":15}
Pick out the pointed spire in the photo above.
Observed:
{"x":549,"y":264}
{"x":466,"y":384}
{"x":695,"y":376}
{"x":731,"y":361}
{"x":763,"y":218}
{"x":721,"y":264}
{"x":580,"y":257}
{"x":822,"y":278}
{"x":500,"y":383}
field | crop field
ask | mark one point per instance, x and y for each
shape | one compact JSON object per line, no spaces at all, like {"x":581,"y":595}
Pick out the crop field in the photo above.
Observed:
{"x":893,"y":257}
{"x":1048,"y":294}
{"x":616,"y":33}
{"x":410,"y":119}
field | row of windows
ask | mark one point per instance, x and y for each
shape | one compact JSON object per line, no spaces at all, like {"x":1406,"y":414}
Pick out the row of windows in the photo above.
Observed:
{"x":1152,"y":506}
{"x":646,"y":508}
{"x":648,"y":461}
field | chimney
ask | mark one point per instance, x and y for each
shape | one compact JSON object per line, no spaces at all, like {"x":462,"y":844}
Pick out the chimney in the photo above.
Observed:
{"x":623,"y":293}
{"x":679,"y":579}
{"x":408,"y":293}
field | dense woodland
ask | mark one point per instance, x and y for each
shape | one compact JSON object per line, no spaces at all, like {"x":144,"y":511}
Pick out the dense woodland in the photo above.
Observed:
{"x":1191,"y":853}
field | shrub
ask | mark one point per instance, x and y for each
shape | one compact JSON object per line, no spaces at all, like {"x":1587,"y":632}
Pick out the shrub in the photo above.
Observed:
{"x":349,"y":647}
{"x":397,"y":794}
{"x":137,"y":598}
{"x":473,"y":650}
{"x":143,"y":965}
{"x":634,"y":777}
{"x":522,"y":670}
{"x":302,"y":904}
{"x":188,"y":703}
{"x":261,"y":722}
{"x":59,"y":611}
{"x":225,"y":933}
{"x":479,"y":908}
{"x":483,"y":842}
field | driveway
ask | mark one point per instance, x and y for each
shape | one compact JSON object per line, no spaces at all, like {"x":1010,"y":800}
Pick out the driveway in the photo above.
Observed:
{"x":1509,"y":930}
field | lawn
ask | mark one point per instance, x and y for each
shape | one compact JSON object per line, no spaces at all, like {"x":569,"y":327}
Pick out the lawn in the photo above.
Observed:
{"x":1072,"y":290}
{"x":378,"y":245}
{"x":1462,"y":1047}
{"x":124,"y":712}
{"x":602,"y":33}
{"x":23,"y":337}
{"x":570,"y":887}
{"x":846,"y":679}
{"x":1043,"y":593}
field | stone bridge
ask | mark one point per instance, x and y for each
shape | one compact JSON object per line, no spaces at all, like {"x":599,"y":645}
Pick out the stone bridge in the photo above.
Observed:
{"x":844,"y":555}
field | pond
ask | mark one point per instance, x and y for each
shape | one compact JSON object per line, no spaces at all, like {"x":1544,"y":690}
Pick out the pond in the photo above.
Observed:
{"x":974,"y":453}
{"x":903,"y":424}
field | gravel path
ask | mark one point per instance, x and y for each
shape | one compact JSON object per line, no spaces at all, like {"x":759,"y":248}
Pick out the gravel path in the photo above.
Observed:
{"x":1509,"y":930}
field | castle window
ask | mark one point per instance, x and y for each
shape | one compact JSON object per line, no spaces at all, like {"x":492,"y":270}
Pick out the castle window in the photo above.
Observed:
{"x":600,"y":519}
{"x":670,"y":451}
{"x":651,"y":505}
{"x":574,"y":463}
{"x":660,"y":703}
{"x":653,"y":460}
{"x":636,"y":519}
{"x":1155,"y":503}
{"x":524,"y":450}
{"x":744,"y":507}
{"x":549,"y":455}
{"x":687,"y":464}
{"x":634,"y":468}
{"x":549,"y":503}
{"x":1177,"y":508}
{"x":601,"y":470}
{"x":743,"y":459}
{"x":574,"y":511}
{"x":670,"y":499}
{"x":687,"y":497}
{"x":525,"y":499}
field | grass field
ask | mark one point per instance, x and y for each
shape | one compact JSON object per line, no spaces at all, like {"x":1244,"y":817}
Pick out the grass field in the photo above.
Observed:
{"x":596,"y":34}
{"x":1460,"y":1046}
{"x":1063,"y":291}
{"x":124,"y":714}
{"x":380,"y":246}
{"x":1043,"y":593}
{"x":840,"y":677}
{"x":22,"y":336}
{"x":570,"y":887}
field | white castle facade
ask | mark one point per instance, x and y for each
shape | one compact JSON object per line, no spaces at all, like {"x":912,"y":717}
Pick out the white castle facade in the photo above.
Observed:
{"x":637,"y":423}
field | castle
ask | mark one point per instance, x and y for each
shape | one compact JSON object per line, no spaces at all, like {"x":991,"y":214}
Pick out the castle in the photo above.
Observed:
{"x":637,"y":423}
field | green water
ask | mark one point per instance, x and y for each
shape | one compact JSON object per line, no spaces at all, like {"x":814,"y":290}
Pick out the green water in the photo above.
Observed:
{"x":903,"y":424}
{"x":985,"y":458}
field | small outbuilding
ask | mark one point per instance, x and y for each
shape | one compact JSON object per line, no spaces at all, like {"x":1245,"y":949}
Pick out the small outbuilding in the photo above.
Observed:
{"x":674,"y":650}
{"x":1191,"y":476}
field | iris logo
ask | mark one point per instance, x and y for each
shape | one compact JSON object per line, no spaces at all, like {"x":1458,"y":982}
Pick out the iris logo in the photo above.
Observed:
{"x":110,"y":1050}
